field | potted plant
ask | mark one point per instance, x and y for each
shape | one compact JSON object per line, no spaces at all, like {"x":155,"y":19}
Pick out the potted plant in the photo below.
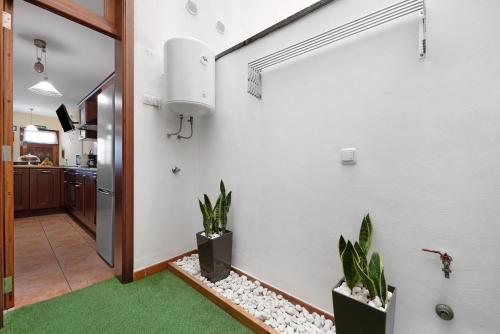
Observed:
{"x":215,"y":242}
{"x":362,"y":301}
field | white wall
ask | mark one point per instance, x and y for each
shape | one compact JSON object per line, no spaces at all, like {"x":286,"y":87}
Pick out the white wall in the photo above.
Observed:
{"x":165,"y":208}
{"x":427,"y":134}
{"x":428,"y":156}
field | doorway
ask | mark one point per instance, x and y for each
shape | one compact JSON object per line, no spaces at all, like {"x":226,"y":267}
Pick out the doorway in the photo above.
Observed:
{"x":116,"y":21}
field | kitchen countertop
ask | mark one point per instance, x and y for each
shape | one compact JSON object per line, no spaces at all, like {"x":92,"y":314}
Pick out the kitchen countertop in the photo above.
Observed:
{"x":63,"y":167}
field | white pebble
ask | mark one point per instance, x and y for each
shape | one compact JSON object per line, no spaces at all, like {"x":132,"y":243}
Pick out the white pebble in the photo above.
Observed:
{"x":266,"y":305}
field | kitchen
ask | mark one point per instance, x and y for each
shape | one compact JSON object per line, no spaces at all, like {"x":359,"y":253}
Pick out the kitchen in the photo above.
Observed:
{"x":63,"y":158}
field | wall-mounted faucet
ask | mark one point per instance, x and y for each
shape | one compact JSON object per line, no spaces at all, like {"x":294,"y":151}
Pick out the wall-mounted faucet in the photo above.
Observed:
{"x":445,"y":259}
{"x":175,"y":170}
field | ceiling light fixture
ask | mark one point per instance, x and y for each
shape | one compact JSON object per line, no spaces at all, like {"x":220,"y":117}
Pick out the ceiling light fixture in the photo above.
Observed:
{"x":31,"y":127}
{"x":44,"y":87}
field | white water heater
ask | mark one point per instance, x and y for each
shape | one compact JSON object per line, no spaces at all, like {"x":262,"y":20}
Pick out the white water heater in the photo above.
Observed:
{"x":190,"y":76}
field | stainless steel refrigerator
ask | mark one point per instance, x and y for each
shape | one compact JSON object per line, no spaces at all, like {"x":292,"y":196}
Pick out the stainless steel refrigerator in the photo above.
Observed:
{"x":106,"y":175}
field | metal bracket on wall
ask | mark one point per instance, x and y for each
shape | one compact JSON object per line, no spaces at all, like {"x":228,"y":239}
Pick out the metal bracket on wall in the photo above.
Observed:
{"x":254,"y":82}
{"x":422,"y":32}
{"x":336,"y":34}
{"x":181,"y":119}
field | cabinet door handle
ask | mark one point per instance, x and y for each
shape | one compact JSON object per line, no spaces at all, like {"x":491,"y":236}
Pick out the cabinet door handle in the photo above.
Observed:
{"x":45,"y":171}
{"x":77,"y":185}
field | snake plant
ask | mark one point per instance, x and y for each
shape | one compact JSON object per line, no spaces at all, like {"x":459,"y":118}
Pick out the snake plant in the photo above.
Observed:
{"x":357,"y":269}
{"x":215,"y":217}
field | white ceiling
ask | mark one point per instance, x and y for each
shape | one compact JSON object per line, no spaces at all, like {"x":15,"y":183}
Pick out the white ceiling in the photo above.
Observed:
{"x":78,"y":58}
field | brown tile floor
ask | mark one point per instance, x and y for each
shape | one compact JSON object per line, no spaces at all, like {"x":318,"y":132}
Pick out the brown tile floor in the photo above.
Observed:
{"x":53,"y":255}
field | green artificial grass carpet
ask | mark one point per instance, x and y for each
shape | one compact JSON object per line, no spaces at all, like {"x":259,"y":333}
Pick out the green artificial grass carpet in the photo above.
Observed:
{"x":162,"y":303}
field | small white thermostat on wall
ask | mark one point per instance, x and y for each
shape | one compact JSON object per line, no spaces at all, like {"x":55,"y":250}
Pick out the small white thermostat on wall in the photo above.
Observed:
{"x":348,"y":156}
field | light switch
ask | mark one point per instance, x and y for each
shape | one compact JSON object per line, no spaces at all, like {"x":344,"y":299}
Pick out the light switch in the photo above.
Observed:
{"x":151,"y":100}
{"x":348,"y":156}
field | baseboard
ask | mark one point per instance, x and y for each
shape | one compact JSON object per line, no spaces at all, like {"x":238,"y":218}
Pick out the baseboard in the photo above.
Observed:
{"x":39,"y":212}
{"x":160,"y":266}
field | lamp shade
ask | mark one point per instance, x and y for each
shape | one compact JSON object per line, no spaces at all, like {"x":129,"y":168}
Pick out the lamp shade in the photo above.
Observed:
{"x":45,"y":88}
{"x":31,"y":128}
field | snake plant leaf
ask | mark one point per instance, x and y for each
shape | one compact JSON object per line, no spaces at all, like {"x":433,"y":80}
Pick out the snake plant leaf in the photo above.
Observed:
{"x":367,"y":281}
{"x":361,"y":255}
{"x":217,"y":202}
{"x":342,"y":245}
{"x":228,"y":201}
{"x":221,"y":209}
{"x":348,"y":263}
{"x":383,"y":289}
{"x":202,"y":209}
{"x":208,"y":204}
{"x":206,"y":218}
{"x":222,"y":188}
{"x":365,"y":234}
{"x":375,"y":269}
{"x":218,"y":215}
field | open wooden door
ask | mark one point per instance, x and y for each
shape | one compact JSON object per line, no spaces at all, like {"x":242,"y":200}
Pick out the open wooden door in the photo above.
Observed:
{"x":7,"y":172}
{"x":117,"y":23}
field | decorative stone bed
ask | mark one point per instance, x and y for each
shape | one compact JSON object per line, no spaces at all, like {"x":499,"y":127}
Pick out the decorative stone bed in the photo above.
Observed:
{"x":271,"y":308}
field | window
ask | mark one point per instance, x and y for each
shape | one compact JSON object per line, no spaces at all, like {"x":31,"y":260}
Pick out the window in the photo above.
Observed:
{"x":42,"y":143}
{"x":41,"y":137}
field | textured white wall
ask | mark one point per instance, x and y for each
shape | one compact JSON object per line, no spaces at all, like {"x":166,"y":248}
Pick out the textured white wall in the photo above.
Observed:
{"x":428,"y":156}
{"x":427,"y":134}
{"x":166,"y":212}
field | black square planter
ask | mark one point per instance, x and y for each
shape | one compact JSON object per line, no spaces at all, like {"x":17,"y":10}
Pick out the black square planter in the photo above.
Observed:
{"x":215,"y":255}
{"x":354,"y":317}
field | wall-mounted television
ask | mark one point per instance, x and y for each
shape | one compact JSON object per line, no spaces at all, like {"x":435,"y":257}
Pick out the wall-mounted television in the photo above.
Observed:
{"x":64,"y":119}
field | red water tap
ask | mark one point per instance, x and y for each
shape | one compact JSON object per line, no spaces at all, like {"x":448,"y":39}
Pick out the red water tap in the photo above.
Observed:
{"x":445,"y":259}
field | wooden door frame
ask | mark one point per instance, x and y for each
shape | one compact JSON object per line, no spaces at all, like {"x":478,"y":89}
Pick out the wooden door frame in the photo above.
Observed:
{"x":4,"y":165}
{"x":7,"y":175}
{"x":118,"y":23}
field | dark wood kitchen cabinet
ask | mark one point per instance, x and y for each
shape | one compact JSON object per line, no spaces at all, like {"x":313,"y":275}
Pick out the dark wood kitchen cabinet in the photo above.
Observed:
{"x":89,"y":201}
{"x":79,"y":195}
{"x":44,"y":188}
{"x":88,"y":119}
{"x":48,"y":190}
{"x":80,"y":198}
{"x":21,"y":189}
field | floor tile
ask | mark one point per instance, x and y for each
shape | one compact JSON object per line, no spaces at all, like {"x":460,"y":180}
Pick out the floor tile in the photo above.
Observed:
{"x":54,"y":255}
